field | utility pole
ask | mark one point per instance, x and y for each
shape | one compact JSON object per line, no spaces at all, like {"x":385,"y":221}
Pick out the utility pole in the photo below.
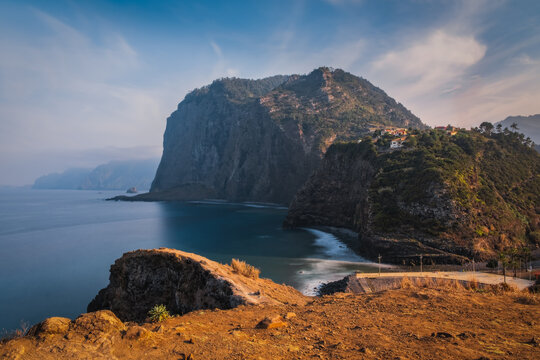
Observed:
{"x":379,"y":264}
{"x":421,"y":270}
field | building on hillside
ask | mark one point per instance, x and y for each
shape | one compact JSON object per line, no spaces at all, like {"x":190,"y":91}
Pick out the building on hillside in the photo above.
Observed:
{"x":397,"y":143}
{"x":395,"y":131}
{"x":450,"y":130}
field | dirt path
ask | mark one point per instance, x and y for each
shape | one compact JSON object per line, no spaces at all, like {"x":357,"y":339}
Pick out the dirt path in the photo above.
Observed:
{"x":481,"y":277}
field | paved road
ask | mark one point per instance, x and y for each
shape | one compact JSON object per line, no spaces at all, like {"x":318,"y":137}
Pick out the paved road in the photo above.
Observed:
{"x":481,"y":277}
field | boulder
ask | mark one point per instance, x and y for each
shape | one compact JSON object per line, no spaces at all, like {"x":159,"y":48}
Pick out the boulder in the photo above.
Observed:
{"x":271,"y":323}
{"x":103,"y":321}
{"x":50,"y":326}
{"x":182,"y":282}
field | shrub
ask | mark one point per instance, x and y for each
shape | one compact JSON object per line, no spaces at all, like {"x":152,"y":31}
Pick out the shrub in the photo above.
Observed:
{"x":528,"y":299}
{"x":502,"y":288}
{"x":242,"y":268}
{"x":473,"y":283}
{"x":406,"y":283}
{"x":6,"y":335}
{"x":492,"y":263}
{"x":158,"y":313}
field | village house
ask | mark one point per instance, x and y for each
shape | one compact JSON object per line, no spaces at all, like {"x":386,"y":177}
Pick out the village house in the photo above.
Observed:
{"x":395,"y":131}
{"x":397,"y":143}
{"x":450,"y":130}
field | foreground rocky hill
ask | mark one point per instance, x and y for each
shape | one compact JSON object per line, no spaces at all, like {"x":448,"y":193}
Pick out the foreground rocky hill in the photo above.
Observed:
{"x":259,"y":140}
{"x":410,"y":323}
{"x":183,"y":282}
{"x":450,"y":198}
{"x":229,"y":313}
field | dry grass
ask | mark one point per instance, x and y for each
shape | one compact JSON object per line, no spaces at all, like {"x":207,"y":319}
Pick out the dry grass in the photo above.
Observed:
{"x":406,"y":283}
{"x":243,"y":268}
{"x":18,"y":333}
{"x":473,"y":283}
{"x":528,"y":298}
{"x":502,"y":288}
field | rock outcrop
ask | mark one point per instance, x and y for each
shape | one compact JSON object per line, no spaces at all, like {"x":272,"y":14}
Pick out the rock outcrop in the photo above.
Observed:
{"x":447,"y":198}
{"x":182,"y":282}
{"x":259,"y":140}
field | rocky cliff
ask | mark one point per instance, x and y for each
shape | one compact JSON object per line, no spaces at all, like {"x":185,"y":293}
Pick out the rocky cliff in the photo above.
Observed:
{"x":260,"y":140}
{"x":449,"y":198}
{"x":183,"y":282}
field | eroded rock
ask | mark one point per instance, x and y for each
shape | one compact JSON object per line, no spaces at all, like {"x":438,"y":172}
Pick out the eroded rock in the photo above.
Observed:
{"x":100,"y":321}
{"x":183,"y":282}
{"x":50,"y":326}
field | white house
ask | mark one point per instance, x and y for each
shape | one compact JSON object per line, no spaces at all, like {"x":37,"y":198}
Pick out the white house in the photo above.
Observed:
{"x":397,"y":143}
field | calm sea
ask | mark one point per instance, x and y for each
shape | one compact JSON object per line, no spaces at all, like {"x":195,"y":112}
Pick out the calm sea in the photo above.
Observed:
{"x":56,"y":246}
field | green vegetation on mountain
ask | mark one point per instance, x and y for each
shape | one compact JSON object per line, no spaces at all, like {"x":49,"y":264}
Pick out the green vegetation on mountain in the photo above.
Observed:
{"x":335,"y":104}
{"x":493,"y":178}
{"x":473,"y":194}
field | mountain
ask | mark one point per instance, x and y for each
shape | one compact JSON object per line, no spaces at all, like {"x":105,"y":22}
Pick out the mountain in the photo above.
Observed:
{"x":449,"y":197}
{"x":70,"y":179}
{"x":528,"y":125}
{"x":259,"y":140}
{"x":115,"y":175}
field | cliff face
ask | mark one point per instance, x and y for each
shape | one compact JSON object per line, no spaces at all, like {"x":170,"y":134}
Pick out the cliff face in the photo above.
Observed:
{"x":259,"y":140}
{"x":446,"y":197}
{"x":182,"y":282}
{"x":337,"y":193}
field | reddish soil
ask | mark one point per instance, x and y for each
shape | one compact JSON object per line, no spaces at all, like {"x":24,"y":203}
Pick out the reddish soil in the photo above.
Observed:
{"x":413,"y":323}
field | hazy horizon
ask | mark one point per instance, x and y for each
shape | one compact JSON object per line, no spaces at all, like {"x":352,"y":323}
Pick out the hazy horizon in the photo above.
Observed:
{"x":87,"y":82}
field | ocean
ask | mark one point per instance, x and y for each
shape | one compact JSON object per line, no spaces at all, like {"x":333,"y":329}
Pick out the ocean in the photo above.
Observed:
{"x":56,"y":246}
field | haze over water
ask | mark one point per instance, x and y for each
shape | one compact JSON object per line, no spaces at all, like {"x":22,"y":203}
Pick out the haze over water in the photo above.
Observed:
{"x":57,"y":246}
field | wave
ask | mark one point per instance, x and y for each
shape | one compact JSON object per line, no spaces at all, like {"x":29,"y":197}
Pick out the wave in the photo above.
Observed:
{"x":334,"y":248}
{"x":246,"y":204}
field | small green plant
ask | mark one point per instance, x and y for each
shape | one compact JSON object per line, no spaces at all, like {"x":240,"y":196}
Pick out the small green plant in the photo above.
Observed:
{"x":158,"y":313}
{"x":242,"y":268}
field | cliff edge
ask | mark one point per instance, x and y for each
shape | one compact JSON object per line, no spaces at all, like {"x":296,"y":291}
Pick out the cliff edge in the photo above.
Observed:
{"x":448,"y":197}
{"x":183,"y":282}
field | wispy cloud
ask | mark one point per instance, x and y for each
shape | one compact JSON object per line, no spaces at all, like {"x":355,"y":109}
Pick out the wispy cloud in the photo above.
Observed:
{"x":432,"y":64}
{"x":62,"y":89}
{"x":221,"y":67}
{"x":69,"y":85}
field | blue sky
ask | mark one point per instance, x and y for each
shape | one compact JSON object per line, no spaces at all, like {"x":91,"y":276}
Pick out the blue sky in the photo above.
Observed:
{"x":85,"y":82}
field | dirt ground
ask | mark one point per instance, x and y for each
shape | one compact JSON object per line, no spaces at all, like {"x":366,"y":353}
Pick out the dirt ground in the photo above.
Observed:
{"x":410,"y":323}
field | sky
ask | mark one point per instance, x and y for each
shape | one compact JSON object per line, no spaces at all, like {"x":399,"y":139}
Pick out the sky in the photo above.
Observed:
{"x":89,"y":81}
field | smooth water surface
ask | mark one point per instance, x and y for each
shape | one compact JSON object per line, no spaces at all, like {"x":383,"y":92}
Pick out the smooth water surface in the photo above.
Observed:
{"x":56,"y":246}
